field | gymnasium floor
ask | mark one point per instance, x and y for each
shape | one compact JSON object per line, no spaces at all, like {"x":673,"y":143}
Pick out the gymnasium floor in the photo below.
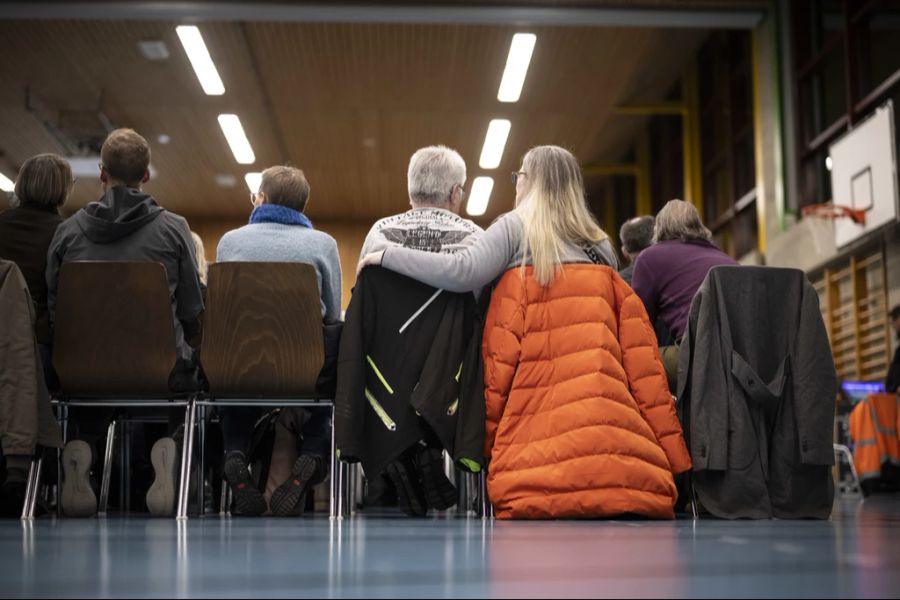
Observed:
{"x":857,"y":553}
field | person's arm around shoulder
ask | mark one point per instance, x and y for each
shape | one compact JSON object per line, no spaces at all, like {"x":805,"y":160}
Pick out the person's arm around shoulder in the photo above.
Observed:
{"x":467,"y":270}
{"x":331,"y":282}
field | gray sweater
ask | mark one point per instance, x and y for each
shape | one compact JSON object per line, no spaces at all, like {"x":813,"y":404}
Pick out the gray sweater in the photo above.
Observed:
{"x":475,"y":266}
{"x":276,"y":242}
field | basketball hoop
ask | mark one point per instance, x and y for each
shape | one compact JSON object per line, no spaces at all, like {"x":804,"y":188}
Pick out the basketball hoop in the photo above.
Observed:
{"x":834,"y":212}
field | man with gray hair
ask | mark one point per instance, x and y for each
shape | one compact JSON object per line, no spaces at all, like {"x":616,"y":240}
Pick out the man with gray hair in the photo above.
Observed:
{"x":636,"y":236}
{"x":404,"y":363}
{"x":435,"y":181}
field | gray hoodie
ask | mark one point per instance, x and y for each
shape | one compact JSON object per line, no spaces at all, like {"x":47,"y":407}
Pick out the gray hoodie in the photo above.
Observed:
{"x":128,"y":225}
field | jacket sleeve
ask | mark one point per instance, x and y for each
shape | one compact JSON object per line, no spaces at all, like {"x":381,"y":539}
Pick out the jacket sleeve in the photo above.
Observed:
{"x":501,"y":348}
{"x":704,"y":379}
{"x":815,"y":384}
{"x":646,"y":376}
{"x":350,"y":398}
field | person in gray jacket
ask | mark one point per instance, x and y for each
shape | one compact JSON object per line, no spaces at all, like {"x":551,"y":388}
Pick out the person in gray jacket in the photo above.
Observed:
{"x":127,"y":224}
{"x":279,"y":231}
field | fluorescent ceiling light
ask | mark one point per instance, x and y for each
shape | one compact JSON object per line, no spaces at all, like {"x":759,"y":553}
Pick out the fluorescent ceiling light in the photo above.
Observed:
{"x":494,"y":142}
{"x":237,"y":139}
{"x":6,"y":184}
{"x":478,"y":198}
{"x":516,"y":67}
{"x":199,"y":56}
{"x":253,"y":180}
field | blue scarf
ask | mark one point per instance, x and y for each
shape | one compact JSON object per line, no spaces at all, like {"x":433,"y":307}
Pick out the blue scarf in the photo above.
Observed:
{"x":276,"y":213}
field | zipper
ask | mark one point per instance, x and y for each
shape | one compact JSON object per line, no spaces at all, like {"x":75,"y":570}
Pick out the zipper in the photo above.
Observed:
{"x":379,"y":375}
{"x":379,"y":410}
{"x":452,"y":410}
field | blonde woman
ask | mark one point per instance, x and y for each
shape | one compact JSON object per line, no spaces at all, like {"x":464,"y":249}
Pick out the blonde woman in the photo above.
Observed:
{"x":580,"y":422}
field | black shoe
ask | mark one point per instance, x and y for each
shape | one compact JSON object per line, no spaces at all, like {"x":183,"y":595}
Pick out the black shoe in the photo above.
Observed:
{"x":440,"y":493}
{"x":410,"y":498}
{"x":248,"y":500}
{"x":290,"y":497}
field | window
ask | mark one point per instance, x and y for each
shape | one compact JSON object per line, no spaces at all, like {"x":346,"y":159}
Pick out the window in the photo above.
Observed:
{"x":727,"y":149}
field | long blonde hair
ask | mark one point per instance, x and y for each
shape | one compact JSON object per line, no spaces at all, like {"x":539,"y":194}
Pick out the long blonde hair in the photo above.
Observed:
{"x":200,"y":255}
{"x":553,"y":210}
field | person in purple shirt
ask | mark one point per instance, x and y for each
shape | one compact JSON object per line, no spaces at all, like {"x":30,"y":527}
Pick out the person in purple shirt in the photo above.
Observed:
{"x":668,"y":274}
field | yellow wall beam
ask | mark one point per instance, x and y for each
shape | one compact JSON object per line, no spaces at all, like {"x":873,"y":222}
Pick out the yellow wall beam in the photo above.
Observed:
{"x":758,"y":143}
{"x":626,"y":169}
{"x":690,"y":138}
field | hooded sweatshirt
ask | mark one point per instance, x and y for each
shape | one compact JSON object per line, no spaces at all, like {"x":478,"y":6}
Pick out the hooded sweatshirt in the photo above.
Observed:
{"x":128,"y":225}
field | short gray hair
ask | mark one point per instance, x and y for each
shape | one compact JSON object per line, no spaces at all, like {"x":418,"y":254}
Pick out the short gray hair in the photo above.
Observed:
{"x":679,"y":220}
{"x":636,"y":234}
{"x":432,"y":173}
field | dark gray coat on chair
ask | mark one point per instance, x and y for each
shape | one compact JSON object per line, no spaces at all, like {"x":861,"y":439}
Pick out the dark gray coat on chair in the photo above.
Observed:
{"x":756,"y":395}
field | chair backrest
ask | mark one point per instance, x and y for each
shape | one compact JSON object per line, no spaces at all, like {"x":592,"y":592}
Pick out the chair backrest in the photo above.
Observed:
{"x":114,"y":331}
{"x":262,"y":330}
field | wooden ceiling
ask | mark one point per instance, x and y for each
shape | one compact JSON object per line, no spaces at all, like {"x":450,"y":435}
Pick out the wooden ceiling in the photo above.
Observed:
{"x":347,"y":103}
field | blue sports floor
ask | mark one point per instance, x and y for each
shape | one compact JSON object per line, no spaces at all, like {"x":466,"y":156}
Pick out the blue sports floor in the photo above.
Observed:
{"x":857,"y":553}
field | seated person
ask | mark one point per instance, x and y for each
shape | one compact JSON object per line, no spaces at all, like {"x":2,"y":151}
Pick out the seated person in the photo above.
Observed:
{"x":668,"y":274}
{"x":279,"y":231}
{"x":411,"y":457}
{"x":579,"y":423}
{"x":637,"y":235}
{"x":127,"y":224}
{"x":44,"y":184}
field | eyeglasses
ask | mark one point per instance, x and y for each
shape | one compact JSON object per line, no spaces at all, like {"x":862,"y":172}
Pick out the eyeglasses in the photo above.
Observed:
{"x":516,"y":175}
{"x":253,"y":198}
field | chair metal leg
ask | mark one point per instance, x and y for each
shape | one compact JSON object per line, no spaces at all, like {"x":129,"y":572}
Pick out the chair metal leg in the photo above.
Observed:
{"x":333,"y":500}
{"x":201,"y":470}
{"x":486,"y":508}
{"x":107,"y":468}
{"x":190,"y":415}
{"x":62,"y":417}
{"x":225,"y":499}
{"x":695,"y":513}
{"x":32,"y":486}
{"x":842,"y":450}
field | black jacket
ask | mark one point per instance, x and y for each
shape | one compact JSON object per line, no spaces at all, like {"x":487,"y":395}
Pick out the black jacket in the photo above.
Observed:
{"x":405,"y":349}
{"x":757,"y":390}
{"x":25,"y":234}
{"x":128,"y":225}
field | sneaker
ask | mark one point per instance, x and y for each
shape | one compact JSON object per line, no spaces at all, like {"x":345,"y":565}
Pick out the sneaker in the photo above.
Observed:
{"x":162,"y":493}
{"x":440,"y":493}
{"x":290,"y":497}
{"x":78,"y":498}
{"x":248,"y":500}
{"x":410,"y":498}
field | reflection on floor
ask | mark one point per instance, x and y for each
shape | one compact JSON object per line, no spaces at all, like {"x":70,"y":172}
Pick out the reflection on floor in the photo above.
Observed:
{"x":857,"y":553}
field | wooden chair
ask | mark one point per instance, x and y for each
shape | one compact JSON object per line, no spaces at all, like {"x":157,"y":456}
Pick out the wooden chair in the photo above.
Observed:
{"x":114,"y":346}
{"x":263,"y":346}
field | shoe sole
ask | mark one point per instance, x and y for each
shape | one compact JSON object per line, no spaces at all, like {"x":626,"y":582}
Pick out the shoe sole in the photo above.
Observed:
{"x":290,"y":495}
{"x":161,"y":495}
{"x":248,"y":501}
{"x":407,"y":499}
{"x":78,"y":498}
{"x":440,"y":494}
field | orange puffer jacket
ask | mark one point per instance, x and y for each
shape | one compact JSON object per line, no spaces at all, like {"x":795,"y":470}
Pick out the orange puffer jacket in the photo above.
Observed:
{"x":580,"y":421}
